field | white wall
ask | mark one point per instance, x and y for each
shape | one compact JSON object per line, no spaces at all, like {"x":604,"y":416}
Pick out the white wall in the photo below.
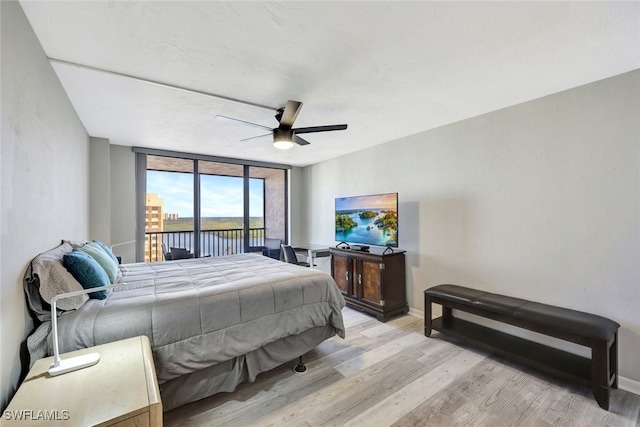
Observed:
{"x":45,"y":161}
{"x":539,"y":201}
{"x":100,"y":190}
{"x":297,"y":212}
{"x":123,"y":201}
{"x":112,"y":189}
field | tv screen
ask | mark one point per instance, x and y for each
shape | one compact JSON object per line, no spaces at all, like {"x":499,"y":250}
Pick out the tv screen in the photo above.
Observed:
{"x":369,"y":220}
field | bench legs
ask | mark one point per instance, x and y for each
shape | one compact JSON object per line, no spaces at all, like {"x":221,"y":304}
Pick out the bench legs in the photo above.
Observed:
{"x":604,"y":369}
{"x":427,"y":315}
{"x":613,"y":360}
{"x":447,"y":315}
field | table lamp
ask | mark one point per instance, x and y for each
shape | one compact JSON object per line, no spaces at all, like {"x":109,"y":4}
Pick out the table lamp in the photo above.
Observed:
{"x":121,"y":244}
{"x":59,"y":366}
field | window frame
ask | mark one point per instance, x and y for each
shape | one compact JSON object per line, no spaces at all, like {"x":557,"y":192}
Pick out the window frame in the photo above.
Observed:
{"x":141,"y":154}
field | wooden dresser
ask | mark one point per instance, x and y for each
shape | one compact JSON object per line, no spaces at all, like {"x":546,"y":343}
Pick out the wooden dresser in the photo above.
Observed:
{"x":372,"y":282}
{"x":120,"y":390}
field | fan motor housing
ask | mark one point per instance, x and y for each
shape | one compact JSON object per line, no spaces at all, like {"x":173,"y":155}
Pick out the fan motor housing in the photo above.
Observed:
{"x":280,"y":134}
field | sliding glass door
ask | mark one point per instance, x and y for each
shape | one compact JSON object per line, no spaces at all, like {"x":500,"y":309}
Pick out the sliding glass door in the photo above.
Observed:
{"x":210,"y":208}
{"x":169,"y":207}
{"x":222,"y":208}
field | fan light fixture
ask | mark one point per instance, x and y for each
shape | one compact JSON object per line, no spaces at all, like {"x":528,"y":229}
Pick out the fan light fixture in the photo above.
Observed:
{"x":283,"y":138}
{"x":283,"y":145}
{"x":285,"y":135}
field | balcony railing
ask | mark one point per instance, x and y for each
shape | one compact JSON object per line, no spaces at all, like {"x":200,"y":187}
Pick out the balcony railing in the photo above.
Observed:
{"x":212,"y":242}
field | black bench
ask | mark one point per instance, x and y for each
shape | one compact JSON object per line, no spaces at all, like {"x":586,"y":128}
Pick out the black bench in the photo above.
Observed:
{"x":596,"y":332}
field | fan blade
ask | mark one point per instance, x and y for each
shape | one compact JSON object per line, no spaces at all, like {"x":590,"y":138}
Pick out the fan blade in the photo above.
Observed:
{"x":300,"y":141}
{"x":290,"y":113}
{"x":231,"y":119}
{"x":313,"y":129}
{"x":256,"y":137}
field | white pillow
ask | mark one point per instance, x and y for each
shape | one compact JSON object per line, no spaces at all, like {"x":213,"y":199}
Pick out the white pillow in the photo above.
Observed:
{"x":53,"y":278}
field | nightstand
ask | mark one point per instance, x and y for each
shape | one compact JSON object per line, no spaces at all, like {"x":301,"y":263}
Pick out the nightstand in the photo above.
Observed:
{"x":120,"y":390}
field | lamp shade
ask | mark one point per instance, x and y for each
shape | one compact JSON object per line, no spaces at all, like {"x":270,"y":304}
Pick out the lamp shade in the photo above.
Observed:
{"x":283,"y":145}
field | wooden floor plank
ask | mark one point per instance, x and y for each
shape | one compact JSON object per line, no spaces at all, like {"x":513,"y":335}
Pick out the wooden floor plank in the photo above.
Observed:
{"x":390,"y":374}
{"x":374,"y":356}
{"x":403,"y":322}
{"x":352,"y":395}
{"x":439,"y":409}
{"x":405,"y":400}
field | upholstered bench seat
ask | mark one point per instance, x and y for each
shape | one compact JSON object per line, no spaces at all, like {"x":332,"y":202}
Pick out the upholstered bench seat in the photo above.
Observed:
{"x":590,"y":330}
{"x":562,"y":319}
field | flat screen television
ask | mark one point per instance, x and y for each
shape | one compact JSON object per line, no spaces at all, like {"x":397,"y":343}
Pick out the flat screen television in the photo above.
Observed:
{"x":368,"y":220}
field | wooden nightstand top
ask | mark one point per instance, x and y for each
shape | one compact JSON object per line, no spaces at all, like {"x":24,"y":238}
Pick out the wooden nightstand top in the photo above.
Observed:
{"x":121,"y":389}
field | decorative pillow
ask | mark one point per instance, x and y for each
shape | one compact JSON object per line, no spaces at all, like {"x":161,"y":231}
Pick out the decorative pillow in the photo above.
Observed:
{"x":97,"y":253}
{"x":75,"y":244}
{"x":107,"y":250}
{"x":87,"y":271}
{"x":47,"y":277}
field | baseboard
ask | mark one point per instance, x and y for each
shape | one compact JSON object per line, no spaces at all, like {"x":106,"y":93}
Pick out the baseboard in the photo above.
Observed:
{"x":627,"y":384}
{"x":417,"y":313}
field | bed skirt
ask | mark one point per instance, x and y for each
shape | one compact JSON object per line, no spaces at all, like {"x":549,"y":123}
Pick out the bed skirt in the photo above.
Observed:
{"x":226,"y":376}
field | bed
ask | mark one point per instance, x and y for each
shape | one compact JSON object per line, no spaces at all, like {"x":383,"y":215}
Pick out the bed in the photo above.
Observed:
{"x":213,"y":322}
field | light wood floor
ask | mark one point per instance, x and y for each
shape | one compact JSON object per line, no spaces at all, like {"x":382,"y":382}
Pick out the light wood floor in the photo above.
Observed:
{"x":390,"y":374}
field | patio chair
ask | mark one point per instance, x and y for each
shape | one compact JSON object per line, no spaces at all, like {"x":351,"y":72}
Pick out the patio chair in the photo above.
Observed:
{"x":272,"y":248}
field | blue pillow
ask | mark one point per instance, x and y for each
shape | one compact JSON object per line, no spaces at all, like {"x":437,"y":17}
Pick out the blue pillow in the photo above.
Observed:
{"x":87,"y":271}
{"x":107,"y":250}
{"x":105,"y":261}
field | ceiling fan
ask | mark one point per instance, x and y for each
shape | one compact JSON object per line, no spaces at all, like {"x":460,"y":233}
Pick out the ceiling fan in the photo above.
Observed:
{"x":285,"y":135}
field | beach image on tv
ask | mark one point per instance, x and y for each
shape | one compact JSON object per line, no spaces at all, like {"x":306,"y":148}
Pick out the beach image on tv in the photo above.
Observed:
{"x":370,"y":220}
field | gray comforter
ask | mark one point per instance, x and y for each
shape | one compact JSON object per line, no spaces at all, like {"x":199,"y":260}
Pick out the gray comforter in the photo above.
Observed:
{"x":200,"y":312}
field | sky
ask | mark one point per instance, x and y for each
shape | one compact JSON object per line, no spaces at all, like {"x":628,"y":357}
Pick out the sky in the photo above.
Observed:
{"x":221,"y":196}
{"x":377,"y":201}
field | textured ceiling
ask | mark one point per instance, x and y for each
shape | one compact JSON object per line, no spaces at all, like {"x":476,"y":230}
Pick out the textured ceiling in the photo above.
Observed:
{"x":387,"y":69}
